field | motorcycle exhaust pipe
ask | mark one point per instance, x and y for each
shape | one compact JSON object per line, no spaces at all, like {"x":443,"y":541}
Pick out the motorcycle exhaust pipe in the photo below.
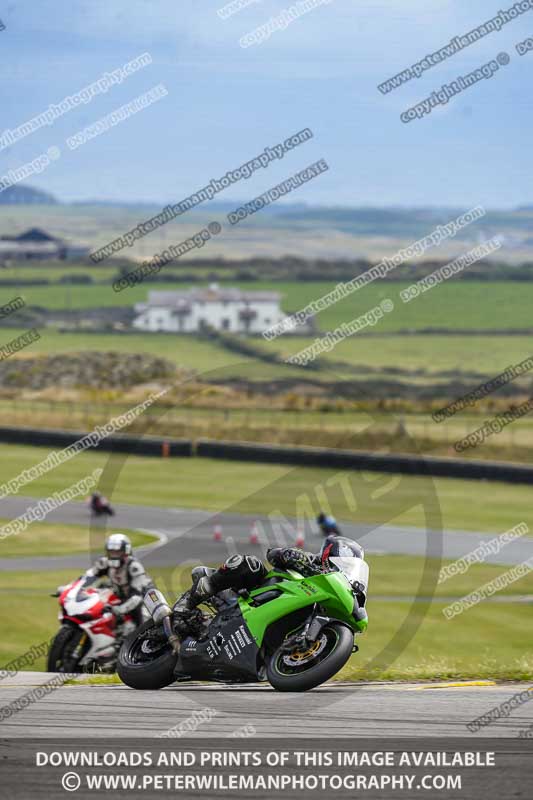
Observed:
{"x":158,"y":608}
{"x":156,"y":605}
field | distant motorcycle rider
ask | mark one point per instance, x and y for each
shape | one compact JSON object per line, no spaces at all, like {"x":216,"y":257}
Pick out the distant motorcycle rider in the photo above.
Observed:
{"x":248,"y":572}
{"x":328,"y":525}
{"x":98,"y":504}
{"x":126,"y":575}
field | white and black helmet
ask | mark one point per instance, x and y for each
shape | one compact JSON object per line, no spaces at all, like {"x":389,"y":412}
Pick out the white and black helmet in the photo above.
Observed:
{"x":117,"y":548}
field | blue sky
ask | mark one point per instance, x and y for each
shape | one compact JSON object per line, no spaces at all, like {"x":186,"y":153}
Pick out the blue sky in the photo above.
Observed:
{"x":226,"y":103}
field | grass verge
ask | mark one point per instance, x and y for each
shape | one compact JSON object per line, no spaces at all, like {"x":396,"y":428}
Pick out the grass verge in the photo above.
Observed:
{"x":242,"y":487}
{"x":488,"y":641}
{"x":56,"y":539}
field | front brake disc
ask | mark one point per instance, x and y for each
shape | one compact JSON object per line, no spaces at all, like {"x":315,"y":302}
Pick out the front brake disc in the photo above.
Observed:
{"x":299,"y":657}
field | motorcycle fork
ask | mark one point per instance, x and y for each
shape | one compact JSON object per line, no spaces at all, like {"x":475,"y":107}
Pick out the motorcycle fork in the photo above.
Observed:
{"x":79,"y":647}
{"x":302,"y":636}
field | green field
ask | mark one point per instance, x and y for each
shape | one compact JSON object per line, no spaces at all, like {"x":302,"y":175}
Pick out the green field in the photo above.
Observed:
{"x":453,"y":305}
{"x":487,"y":355}
{"x":184,"y":351}
{"x":207,"y":358}
{"x":480,"y":355}
{"x":429,"y":647}
{"x":25,"y":271}
{"x":414,"y":360}
{"x":463,"y":305}
{"x":56,"y":539}
{"x":262,"y":489}
{"x":100,"y":273}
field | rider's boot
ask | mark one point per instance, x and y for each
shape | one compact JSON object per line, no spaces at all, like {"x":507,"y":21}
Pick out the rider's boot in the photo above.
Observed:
{"x":186,"y":617}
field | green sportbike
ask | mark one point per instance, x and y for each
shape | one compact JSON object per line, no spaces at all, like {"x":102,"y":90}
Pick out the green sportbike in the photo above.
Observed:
{"x":296,"y":632}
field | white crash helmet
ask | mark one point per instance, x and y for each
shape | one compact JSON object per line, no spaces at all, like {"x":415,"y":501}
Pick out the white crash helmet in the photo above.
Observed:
{"x":117,"y":548}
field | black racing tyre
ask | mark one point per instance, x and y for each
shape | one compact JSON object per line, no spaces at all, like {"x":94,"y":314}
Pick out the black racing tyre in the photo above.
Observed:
{"x":61,"y":648}
{"x":146,"y":660}
{"x":299,"y":671}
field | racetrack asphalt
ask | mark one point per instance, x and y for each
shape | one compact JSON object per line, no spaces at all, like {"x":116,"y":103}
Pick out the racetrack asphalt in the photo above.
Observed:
{"x":190,"y":537}
{"x":331,"y":710}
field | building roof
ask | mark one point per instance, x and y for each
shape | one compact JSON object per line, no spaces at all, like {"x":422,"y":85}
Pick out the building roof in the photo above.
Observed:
{"x":211,"y":294}
{"x":34,"y":235}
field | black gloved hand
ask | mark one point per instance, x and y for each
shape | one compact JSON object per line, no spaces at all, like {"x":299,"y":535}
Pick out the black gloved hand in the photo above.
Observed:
{"x":197,"y":623}
{"x":189,"y":623}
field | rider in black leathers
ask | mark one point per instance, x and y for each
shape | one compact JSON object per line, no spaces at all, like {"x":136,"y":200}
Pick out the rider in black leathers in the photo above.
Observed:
{"x":248,"y":572}
{"x":100,"y":504}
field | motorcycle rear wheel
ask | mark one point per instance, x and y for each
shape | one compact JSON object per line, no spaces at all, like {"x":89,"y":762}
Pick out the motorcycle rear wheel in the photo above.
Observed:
{"x":144,"y":662}
{"x":299,"y":671}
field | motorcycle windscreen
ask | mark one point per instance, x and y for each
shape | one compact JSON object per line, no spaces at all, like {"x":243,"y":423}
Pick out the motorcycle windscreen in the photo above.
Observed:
{"x":355,"y":569}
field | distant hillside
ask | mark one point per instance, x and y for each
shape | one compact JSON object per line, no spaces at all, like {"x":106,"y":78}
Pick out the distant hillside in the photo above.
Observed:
{"x":25,"y":196}
{"x":312,"y":233}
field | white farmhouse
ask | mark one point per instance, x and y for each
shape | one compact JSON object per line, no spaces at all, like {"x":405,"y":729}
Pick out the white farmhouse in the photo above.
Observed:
{"x":192,"y":310}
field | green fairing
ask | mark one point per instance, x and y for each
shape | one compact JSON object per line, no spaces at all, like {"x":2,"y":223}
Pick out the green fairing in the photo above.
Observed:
{"x":330,"y":590}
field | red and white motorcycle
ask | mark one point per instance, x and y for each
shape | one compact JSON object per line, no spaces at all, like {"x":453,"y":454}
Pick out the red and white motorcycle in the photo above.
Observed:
{"x":87,"y":639}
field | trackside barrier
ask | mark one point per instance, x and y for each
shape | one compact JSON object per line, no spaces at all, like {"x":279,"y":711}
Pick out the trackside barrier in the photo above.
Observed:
{"x":116,"y":442}
{"x":281,"y":454}
{"x":373,"y":462}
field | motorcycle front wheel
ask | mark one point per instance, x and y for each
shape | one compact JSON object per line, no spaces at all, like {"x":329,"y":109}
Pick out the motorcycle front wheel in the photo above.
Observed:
{"x":309,"y":665}
{"x":60,"y":655}
{"x":146,"y":660}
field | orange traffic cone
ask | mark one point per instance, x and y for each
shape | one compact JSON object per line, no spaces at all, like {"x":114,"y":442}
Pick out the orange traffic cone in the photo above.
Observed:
{"x":254,"y":535}
{"x":217,"y":533}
